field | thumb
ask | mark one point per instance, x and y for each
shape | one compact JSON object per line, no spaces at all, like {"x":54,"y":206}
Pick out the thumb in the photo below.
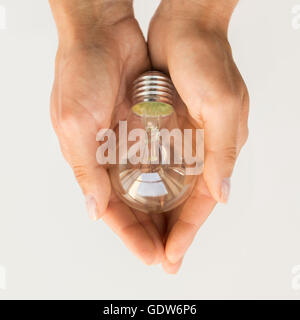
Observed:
{"x":76,"y":132}
{"x":221,"y":126}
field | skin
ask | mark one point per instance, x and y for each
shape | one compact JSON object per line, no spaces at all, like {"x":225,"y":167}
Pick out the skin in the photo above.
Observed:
{"x":188,"y":39}
{"x":101,"y":51}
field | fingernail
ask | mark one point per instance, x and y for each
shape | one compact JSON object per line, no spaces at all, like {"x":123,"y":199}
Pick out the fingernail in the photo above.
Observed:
{"x":173,"y":259}
{"x":91,"y":206}
{"x":172,"y":268}
{"x":225,"y":190}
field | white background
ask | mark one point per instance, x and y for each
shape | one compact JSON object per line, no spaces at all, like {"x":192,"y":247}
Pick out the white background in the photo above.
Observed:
{"x":247,"y":249}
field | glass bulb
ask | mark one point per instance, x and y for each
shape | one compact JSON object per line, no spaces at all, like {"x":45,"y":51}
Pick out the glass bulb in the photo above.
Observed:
{"x":157,"y":180}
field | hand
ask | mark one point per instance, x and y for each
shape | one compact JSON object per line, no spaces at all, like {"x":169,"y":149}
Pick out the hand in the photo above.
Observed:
{"x":188,"y":39}
{"x":95,"y":66}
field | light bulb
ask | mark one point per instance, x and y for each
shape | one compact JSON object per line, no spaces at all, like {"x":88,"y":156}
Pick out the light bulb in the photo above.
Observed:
{"x":159,"y":182}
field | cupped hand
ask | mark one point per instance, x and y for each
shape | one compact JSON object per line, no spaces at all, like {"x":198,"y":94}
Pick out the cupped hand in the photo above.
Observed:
{"x":194,"y":50}
{"x":94,"y":72}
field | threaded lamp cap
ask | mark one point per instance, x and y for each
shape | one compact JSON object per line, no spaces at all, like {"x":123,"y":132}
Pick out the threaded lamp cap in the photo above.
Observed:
{"x":153,"y":86}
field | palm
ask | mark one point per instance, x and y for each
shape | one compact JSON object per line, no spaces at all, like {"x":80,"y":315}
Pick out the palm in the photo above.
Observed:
{"x":91,"y":84}
{"x":173,"y":50}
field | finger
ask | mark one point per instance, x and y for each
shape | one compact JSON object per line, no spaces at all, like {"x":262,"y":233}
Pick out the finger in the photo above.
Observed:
{"x":125,"y":224}
{"x":151,"y":229}
{"x":171,"y":268}
{"x":226,"y":131}
{"x":243,"y":124}
{"x":172,"y":218}
{"x":159,"y":220}
{"x":194,"y":213}
{"x":221,"y":127}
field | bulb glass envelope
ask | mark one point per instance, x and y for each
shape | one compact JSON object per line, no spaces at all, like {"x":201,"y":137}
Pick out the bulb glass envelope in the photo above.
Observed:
{"x":155,"y":179}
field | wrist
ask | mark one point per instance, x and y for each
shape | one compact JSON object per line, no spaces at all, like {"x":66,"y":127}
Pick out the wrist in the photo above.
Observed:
{"x":210,"y":14}
{"x":85,"y":21}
